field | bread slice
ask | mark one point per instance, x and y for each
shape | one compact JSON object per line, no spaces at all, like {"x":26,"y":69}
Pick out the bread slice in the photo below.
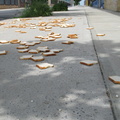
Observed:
{"x":23,"y":32}
{"x":38,"y":36}
{"x":4,"y":41}
{"x":56,"y":50}
{"x":17,"y":30}
{"x":23,"y":50}
{"x":33,"y":51}
{"x":68,"y":42}
{"x":22,"y":43}
{"x":100,"y":35}
{"x":37,"y":42}
{"x":3,"y":52}
{"x":89,"y":62}
{"x":26,"y":57}
{"x":115,"y":79}
{"x":22,"y":47}
{"x":44,"y":65}
{"x":49,"y":54}
{"x":49,"y":39}
{"x":90,"y":28}
{"x":37,"y":58}
{"x":15,"y":41}
{"x":72,"y":36}
{"x":30,"y":43}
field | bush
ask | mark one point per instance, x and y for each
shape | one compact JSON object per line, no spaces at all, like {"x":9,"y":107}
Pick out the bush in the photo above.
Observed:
{"x":37,"y":8}
{"x":61,"y":6}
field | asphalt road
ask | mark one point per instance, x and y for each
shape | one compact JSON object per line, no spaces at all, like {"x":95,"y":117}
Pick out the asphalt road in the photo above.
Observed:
{"x":67,"y":91}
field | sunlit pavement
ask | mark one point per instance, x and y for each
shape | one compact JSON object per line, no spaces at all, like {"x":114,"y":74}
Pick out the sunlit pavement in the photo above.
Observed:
{"x":67,"y":91}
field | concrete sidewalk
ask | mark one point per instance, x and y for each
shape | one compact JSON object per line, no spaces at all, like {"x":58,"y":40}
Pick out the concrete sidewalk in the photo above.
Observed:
{"x":107,"y":49}
{"x":68,"y":91}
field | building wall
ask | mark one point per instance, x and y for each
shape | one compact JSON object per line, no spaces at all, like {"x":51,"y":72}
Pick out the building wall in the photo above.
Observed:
{"x":113,"y":5}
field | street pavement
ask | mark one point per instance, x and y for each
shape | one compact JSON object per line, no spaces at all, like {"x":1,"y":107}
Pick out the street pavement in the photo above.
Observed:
{"x":107,"y":49}
{"x":67,"y":91}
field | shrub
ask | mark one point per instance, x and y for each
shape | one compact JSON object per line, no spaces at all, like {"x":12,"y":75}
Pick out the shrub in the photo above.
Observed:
{"x":37,"y":8}
{"x":61,"y":6}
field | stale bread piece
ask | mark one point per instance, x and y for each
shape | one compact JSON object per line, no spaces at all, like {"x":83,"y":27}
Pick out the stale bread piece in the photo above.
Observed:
{"x":49,"y":39}
{"x":23,"y":50}
{"x":33,"y":51}
{"x":100,"y":35}
{"x":22,"y":47}
{"x":49,"y":54}
{"x":37,"y":58}
{"x":115,"y":79}
{"x":44,"y":65}
{"x":90,"y":28}
{"x":43,"y":49}
{"x":68,"y":42}
{"x":56,"y":50}
{"x":23,"y":32}
{"x":37,"y":42}
{"x":30,"y":43}
{"x":22,"y":43}
{"x":72,"y":36}
{"x":26,"y":57}
{"x":4,"y":41}
{"x":38,"y":36}
{"x":15,"y":41}
{"x":89,"y":62}
{"x":3,"y":52}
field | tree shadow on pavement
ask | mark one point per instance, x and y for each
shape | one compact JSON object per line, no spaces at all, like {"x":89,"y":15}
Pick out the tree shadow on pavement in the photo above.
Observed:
{"x":67,"y":91}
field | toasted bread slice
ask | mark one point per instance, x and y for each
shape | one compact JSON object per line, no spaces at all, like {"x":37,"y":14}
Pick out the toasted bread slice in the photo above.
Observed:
{"x":26,"y":57}
{"x":15,"y":41}
{"x":49,"y":54}
{"x":68,"y":42}
{"x":4,"y":41}
{"x":115,"y":79}
{"x":72,"y":36}
{"x":33,"y":51}
{"x":37,"y":58}
{"x":43,"y":49}
{"x":23,"y":50}
{"x":100,"y":35}
{"x":56,"y":50}
{"x":44,"y":65}
{"x":3,"y":52}
{"x":22,"y":47}
{"x":89,"y":62}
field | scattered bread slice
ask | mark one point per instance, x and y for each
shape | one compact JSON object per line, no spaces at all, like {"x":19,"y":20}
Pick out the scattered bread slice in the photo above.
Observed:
{"x":26,"y":57}
{"x":49,"y":54}
{"x":37,"y":58}
{"x":23,"y":50}
{"x":22,"y":43}
{"x":44,"y":65}
{"x":56,"y":50}
{"x":3,"y":52}
{"x":68,"y":42}
{"x":22,"y":47}
{"x":38,"y":36}
{"x":4,"y":41}
{"x":33,"y":51}
{"x":49,"y":39}
{"x":100,"y":35}
{"x":30,"y":43}
{"x":115,"y":79}
{"x":90,"y":28}
{"x":89,"y":62}
{"x":37,"y":42}
{"x":15,"y":41}
{"x":72,"y":36}
{"x":43,"y":49}
{"x":23,"y":32}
